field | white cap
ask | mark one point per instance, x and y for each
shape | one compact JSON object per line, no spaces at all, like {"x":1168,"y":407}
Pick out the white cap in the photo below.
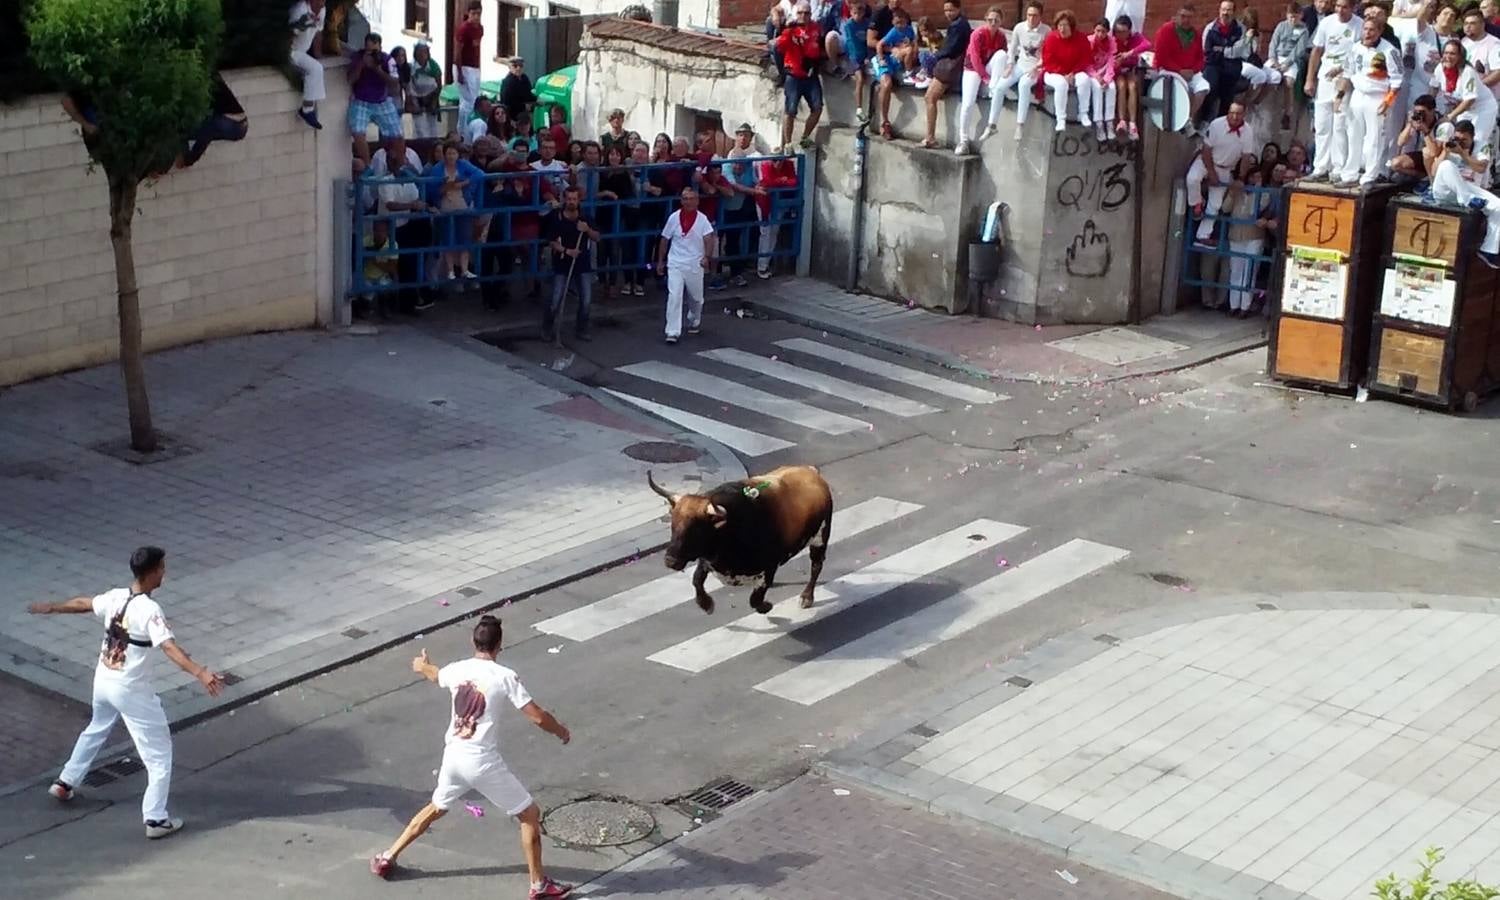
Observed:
{"x":1444,"y":133}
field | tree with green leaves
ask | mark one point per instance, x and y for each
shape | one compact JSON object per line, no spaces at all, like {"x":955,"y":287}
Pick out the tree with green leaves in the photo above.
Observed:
{"x":138,"y":73}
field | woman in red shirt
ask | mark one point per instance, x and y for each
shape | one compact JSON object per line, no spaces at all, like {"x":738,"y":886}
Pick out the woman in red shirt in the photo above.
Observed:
{"x":1066,"y":55}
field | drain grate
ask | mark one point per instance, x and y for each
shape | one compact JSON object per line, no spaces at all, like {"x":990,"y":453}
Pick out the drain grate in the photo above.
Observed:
{"x":720,"y":796}
{"x":109,"y":772}
{"x":1018,"y":681}
{"x":229,"y":678}
{"x":1266,"y":606}
{"x":662,"y":452}
{"x":925,"y":731}
{"x":470,"y":591}
{"x":354,"y":634}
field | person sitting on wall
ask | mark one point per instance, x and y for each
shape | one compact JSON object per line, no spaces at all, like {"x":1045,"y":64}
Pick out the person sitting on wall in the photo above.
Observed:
{"x":1289,"y":44}
{"x":801,"y":47}
{"x":1101,"y":76}
{"x":1129,"y":45}
{"x":1220,"y":69}
{"x":307,"y":20}
{"x":948,"y":67}
{"x":1065,"y":60}
{"x":1225,"y":141}
{"x":986,"y":62}
{"x":891,"y":53}
{"x":1026,"y":63}
{"x":850,"y":47}
{"x":1179,"y":53}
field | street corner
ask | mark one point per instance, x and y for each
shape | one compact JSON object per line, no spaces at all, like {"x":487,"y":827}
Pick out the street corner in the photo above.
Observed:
{"x":1292,"y":745}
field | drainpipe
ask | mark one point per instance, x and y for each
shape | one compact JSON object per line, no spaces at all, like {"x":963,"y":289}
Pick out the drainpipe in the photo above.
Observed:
{"x":856,"y":232}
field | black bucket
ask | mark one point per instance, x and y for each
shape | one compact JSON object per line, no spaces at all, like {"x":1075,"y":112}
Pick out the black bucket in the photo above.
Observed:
{"x":984,"y":260}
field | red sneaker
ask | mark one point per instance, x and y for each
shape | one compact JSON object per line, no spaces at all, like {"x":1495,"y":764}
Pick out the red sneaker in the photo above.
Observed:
{"x":380,"y":866}
{"x":550,"y":890}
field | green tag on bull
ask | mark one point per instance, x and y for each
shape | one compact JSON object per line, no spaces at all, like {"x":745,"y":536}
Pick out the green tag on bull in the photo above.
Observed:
{"x":753,"y":491}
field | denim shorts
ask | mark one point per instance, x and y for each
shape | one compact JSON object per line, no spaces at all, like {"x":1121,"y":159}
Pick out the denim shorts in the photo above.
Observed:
{"x":809,"y":88}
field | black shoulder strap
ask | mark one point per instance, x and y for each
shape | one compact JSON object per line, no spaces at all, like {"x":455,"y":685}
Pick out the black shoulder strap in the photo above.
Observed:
{"x":118,"y":621}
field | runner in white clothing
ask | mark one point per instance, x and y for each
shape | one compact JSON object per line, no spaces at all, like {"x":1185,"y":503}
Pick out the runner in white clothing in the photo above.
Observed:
{"x":133,"y":625}
{"x":1335,"y":36}
{"x":471,"y":753}
{"x":307,"y":20}
{"x":692,"y":242}
{"x":1373,"y":67}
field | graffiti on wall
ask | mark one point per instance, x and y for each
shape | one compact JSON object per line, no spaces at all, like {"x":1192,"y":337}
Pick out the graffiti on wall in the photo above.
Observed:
{"x":1097,"y":187}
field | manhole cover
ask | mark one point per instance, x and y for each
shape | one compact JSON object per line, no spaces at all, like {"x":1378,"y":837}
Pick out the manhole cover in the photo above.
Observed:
{"x":662,"y":452}
{"x":599,"y":822}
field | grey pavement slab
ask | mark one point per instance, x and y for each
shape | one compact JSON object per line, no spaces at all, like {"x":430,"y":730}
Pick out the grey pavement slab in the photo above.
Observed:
{"x":339,"y":493}
{"x":1280,"y":745}
{"x":817,"y":838}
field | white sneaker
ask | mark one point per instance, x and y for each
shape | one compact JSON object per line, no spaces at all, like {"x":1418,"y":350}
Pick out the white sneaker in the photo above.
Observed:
{"x":1062,"y":126}
{"x":60,"y":791}
{"x":1020,"y":131}
{"x":988,"y":132}
{"x":1100,"y":132}
{"x":162,"y":828}
{"x":1085,"y":121}
{"x":961,"y":149}
{"x":763,"y":274}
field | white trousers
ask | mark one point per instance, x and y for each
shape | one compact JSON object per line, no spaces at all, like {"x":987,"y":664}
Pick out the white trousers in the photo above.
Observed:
{"x":679,"y":282}
{"x":1104,"y":100}
{"x":1082,"y":84}
{"x":1258,"y":76}
{"x":1364,"y":129}
{"x":147,"y":724}
{"x":1023,"y":80}
{"x":998,"y":69}
{"x":1242,"y":272}
{"x":1197,"y":173}
{"x":1450,"y":187}
{"x":1328,"y":132}
{"x":312,"y":77}
{"x":424,"y":125}
{"x":468,"y":92}
{"x":768,"y":236}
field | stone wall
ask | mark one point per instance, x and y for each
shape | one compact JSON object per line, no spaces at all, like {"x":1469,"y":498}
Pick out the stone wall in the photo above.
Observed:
{"x":241,"y":242}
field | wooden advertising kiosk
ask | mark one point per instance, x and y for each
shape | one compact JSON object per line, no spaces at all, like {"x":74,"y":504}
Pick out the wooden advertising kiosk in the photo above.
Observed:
{"x":1436,"y":334}
{"x":1325,"y":285}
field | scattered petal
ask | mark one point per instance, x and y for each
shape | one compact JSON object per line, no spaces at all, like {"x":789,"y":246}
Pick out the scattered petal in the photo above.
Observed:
{"x":1065,"y":875}
{"x":442,"y":601}
{"x":557,"y":649}
{"x":475,"y":810}
{"x":840,"y":792}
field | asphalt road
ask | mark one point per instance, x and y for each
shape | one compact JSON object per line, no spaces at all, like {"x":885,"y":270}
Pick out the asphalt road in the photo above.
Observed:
{"x":1091,"y":500}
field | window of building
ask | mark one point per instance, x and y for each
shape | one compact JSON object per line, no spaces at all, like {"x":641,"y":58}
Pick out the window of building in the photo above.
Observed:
{"x":508,"y":17}
{"x":417,"y":18}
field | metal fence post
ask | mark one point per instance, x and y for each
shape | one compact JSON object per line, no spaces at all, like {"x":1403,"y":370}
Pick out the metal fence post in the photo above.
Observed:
{"x":343,"y":207}
{"x":806,"y":182}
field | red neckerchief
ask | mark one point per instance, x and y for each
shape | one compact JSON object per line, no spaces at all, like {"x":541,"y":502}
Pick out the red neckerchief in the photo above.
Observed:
{"x":687,"y":218}
{"x":1450,"y":76}
{"x":1235,"y":131}
{"x":1224,"y":28}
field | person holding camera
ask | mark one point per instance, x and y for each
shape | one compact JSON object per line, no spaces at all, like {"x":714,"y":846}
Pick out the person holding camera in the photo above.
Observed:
{"x":1451,"y":157}
{"x":1413,"y":156}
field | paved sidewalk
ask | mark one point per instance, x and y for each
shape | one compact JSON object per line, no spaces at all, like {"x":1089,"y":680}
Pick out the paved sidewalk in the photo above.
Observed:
{"x":814,"y":839}
{"x":342,"y":492}
{"x":1280,"y":747}
{"x":991,"y":348}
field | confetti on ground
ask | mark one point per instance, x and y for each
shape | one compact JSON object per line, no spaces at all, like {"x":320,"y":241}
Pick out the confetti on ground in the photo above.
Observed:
{"x":1065,"y":875}
{"x":840,"y":792}
{"x":475,"y":810}
{"x":557,"y":649}
{"x":442,"y":601}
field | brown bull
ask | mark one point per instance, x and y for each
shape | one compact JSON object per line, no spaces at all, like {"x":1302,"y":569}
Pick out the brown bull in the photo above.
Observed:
{"x":743,"y":530}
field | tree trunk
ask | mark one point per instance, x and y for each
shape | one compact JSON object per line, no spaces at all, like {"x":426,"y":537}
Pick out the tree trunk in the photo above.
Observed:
{"x":132,"y":364}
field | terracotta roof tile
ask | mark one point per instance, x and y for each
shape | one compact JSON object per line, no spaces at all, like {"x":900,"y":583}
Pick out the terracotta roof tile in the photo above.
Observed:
{"x":690,"y":43}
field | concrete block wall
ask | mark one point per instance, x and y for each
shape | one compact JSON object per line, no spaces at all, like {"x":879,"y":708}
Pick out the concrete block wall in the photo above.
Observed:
{"x":241,"y":242}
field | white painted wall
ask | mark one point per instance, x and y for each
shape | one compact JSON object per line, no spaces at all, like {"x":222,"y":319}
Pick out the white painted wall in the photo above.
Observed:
{"x":241,"y":242}
{"x":660,"y":91}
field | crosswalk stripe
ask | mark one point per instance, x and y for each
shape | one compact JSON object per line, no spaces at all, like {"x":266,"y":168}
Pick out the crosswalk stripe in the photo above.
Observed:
{"x":903,"y":374}
{"x":838,"y":387}
{"x":863,"y":657}
{"x":663,"y":593}
{"x":750,"y":443}
{"x":713,"y":647}
{"x":726,"y":391}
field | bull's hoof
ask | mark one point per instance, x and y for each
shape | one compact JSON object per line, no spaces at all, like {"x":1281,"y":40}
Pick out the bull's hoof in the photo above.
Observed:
{"x":706,"y":603}
{"x":762,"y":607}
{"x":807,"y":601}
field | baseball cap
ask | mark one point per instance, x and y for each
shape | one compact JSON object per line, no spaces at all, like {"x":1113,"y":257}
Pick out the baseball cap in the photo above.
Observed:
{"x":744,"y":129}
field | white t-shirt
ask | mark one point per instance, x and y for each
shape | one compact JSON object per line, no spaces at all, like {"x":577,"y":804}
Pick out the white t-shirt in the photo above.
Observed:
{"x":1484,"y":56}
{"x":143,"y":621}
{"x":1227,"y":146}
{"x":378,"y":162}
{"x":1336,"y":39}
{"x":1362,"y":73}
{"x":302,"y":36}
{"x":391,"y":191}
{"x":557,"y":174}
{"x":1467,"y":87}
{"x":1135,"y":9}
{"x":477,"y":686}
{"x":1026,"y":45}
{"x":688,"y":250}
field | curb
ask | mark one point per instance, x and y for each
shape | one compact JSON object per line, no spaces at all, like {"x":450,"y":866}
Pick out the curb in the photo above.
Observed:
{"x":334,"y":651}
{"x":776,"y":310}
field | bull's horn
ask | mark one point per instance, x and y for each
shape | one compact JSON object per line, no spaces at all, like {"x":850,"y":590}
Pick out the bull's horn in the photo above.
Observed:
{"x":670,"y":497}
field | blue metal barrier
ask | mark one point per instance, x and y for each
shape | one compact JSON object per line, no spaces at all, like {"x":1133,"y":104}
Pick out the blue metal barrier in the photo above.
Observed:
{"x":1267,"y":205}
{"x":504,"y":234}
